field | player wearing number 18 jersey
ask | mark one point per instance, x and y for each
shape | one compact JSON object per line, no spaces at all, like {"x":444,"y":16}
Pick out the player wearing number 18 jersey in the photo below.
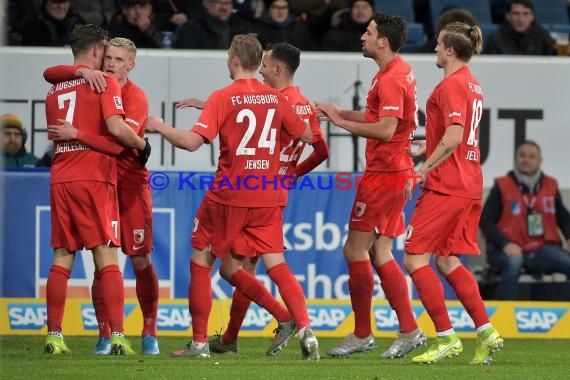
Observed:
{"x":249,"y":118}
{"x":447,"y":214}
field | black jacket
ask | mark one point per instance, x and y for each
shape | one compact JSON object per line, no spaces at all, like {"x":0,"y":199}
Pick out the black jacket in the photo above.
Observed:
{"x":44,"y":30}
{"x":346,"y":36}
{"x":206,"y":32}
{"x":120,"y":27}
{"x":292,"y":31}
{"x":534,"y":41}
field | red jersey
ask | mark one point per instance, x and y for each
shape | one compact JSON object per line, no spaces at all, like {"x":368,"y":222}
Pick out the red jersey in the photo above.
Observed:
{"x":248,"y":115}
{"x":457,"y":99}
{"x":293,"y":148}
{"x":392,"y":93}
{"x":87,"y":110}
{"x":129,"y":171}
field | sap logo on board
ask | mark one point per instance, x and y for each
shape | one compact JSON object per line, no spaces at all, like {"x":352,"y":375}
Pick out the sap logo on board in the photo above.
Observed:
{"x":538,"y":319}
{"x":386,"y":318}
{"x":27,"y":316}
{"x":256,"y":319}
{"x":173,"y":318}
{"x":461,"y":320}
{"x":90,"y":319}
{"x":327,"y":317}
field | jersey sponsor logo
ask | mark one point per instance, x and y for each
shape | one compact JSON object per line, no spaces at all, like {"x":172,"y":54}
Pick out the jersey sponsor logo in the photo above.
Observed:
{"x":27,"y":316}
{"x":538,"y":319}
{"x":118,"y":102}
{"x":386,"y":319}
{"x":454,"y":114}
{"x":391,"y":108}
{"x":173,"y":318}
{"x":328,"y":317}
{"x":256,"y":319}
{"x":137,"y":247}
{"x":461,"y":320}
{"x":199,"y":124}
{"x":129,"y":120}
{"x":138,"y":236}
{"x":90,"y":318}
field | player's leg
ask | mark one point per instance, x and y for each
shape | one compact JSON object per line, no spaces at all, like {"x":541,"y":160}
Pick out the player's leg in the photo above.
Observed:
{"x":293,"y":296}
{"x":147,"y":293}
{"x":238,"y":310}
{"x":361,"y":288}
{"x":56,"y":294}
{"x":199,"y":302}
{"x":395,"y":288}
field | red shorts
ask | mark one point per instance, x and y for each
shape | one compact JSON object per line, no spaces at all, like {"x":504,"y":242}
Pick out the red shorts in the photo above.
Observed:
{"x":244,"y":231}
{"x":135,"y":206}
{"x":444,"y":224}
{"x":84,"y":214}
{"x":379,"y":207}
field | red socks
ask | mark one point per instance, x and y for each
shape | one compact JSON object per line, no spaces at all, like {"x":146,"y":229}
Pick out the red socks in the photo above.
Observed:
{"x":56,"y":293}
{"x":100,"y":311}
{"x":252,"y":288}
{"x":395,"y":288}
{"x":113,"y":295}
{"x":147,"y":293}
{"x":361,"y":288}
{"x":291,"y":292}
{"x":238,"y":311}
{"x":200,"y":300}
{"x":467,"y":290}
{"x":432,"y":296}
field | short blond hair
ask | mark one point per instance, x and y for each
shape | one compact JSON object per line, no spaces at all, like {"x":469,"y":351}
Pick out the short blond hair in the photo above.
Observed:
{"x":124,"y":43}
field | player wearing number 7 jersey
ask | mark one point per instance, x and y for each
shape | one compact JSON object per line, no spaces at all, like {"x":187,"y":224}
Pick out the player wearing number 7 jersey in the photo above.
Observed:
{"x":447,"y":214}
{"x":249,"y":118}
{"x":83,"y":196}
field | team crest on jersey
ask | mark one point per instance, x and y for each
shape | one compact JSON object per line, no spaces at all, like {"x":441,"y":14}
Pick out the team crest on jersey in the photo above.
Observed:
{"x":515,"y":208}
{"x":360,"y":208}
{"x":409,"y":232}
{"x":549,"y":204}
{"x":138,"y":236}
{"x":118,"y":102}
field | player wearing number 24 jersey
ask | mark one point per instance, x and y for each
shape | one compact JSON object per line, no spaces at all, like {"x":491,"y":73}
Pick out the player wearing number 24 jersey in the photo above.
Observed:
{"x":446,"y":217}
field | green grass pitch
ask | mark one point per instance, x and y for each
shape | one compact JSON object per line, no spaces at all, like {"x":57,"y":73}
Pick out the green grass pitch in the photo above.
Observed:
{"x":22,"y":357}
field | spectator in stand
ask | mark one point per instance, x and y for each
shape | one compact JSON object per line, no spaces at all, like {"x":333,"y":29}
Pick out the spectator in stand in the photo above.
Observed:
{"x":97,"y":12}
{"x":520,"y":221}
{"x":52,"y":25}
{"x":212,"y":28}
{"x":520,"y":34}
{"x":278,"y":24}
{"x":135,"y":22}
{"x":170,"y":14}
{"x":19,"y":13}
{"x":446,"y":17}
{"x":348,"y":26}
{"x":317,"y":14}
{"x":14,"y":144}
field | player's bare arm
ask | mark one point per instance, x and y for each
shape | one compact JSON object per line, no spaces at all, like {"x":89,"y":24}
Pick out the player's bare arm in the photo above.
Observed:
{"x":123,"y":133}
{"x":188,"y":140}
{"x":448,"y":143}
{"x":191,"y":102}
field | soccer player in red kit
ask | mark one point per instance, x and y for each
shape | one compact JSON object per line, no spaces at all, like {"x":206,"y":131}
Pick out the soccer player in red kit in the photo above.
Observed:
{"x":249,"y":117}
{"x":84,"y":210}
{"x":447,"y":213}
{"x":389,"y":123}
{"x":278,"y":69}
{"x":135,"y":204}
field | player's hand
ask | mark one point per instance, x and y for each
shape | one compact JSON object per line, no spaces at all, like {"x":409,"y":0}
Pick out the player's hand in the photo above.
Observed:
{"x":191,"y":102}
{"x":179,"y":18}
{"x":328,"y":111}
{"x":153,"y":124}
{"x":415,"y":181}
{"x":95,"y":78}
{"x":417,"y":148}
{"x":64,"y":131}
{"x":144,"y":154}
{"x":513,"y":249}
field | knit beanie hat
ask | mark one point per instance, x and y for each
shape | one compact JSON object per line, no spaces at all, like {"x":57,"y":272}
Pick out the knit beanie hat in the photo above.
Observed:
{"x":371,"y":2}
